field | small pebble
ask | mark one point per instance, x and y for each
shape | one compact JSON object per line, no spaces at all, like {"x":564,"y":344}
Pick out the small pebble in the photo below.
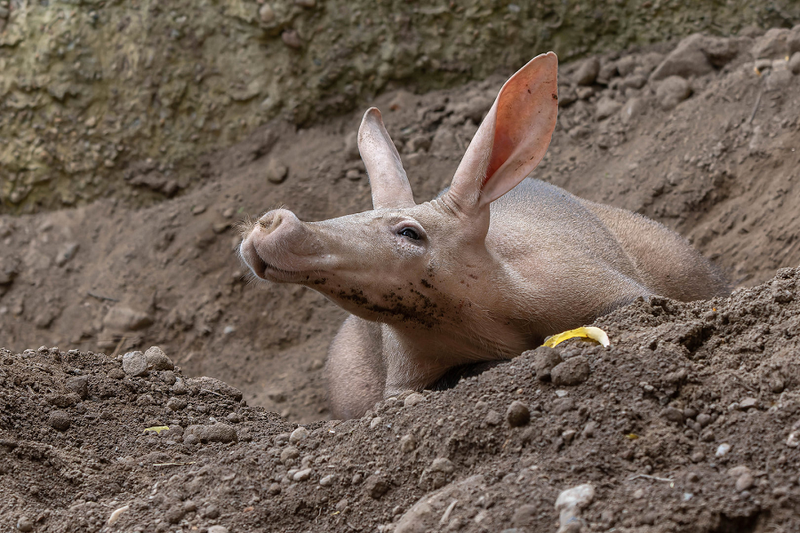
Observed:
{"x":737,"y":471}
{"x":375,"y":422}
{"x":175,"y":514}
{"x":24,"y":524}
{"x":673,"y":415}
{"x":442,"y":464}
{"x":748,"y":403}
{"x":493,"y":418}
{"x":779,"y":79}
{"x":723,"y":449}
{"x":745,"y":481}
{"x":703,"y":419}
{"x":302,"y":475}
{"x":298,"y":434}
{"x":59,"y":420}
{"x":708,"y":435}
{"x":327,"y":481}
{"x":290,"y":452}
{"x":518,"y":414}
{"x":672,"y":91}
{"x":408,"y":443}
{"x":79,"y":385}
{"x":276,"y":171}
{"x":220,"y":432}
{"x":266,"y":13}
{"x":217,"y":529}
{"x":292,"y":39}
{"x":376,"y":486}
{"x":588,"y":71}
{"x":157,"y":359}
{"x":176,"y":404}
{"x":209,"y":511}
{"x":692,"y":477}
{"x":179,"y":387}
{"x":606,"y":107}
{"x":134,"y":363}
{"x":589,"y":429}
{"x":274,"y":489}
{"x":413,"y":399}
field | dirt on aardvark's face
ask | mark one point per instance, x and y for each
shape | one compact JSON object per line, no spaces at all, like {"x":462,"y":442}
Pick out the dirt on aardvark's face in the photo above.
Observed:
{"x":412,"y":266}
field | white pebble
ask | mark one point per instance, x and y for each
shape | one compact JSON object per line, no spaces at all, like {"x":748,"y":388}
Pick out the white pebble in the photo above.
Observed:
{"x":723,"y":449}
{"x":302,"y":475}
{"x":571,"y":501}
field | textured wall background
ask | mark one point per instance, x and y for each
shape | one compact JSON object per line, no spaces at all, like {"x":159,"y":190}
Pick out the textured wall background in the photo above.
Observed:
{"x":97,"y":97}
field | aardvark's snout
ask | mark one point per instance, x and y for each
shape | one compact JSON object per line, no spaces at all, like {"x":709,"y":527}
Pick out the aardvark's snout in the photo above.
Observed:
{"x":271,"y":247}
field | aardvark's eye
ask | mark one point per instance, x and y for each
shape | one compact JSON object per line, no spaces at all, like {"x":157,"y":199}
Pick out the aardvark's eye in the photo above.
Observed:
{"x":410,"y":233}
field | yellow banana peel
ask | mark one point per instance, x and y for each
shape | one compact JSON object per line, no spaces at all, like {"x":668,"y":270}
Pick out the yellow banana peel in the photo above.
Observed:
{"x":588,"y":332}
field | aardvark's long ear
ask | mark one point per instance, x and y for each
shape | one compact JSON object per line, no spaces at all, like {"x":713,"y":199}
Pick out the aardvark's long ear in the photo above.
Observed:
{"x":390,"y":187}
{"x":513,"y":137}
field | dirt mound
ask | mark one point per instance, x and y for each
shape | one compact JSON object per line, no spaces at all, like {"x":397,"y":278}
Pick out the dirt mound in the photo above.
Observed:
{"x":690,"y":421}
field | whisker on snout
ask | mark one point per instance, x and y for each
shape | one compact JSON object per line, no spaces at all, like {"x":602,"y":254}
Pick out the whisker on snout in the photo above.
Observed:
{"x":245,"y":226}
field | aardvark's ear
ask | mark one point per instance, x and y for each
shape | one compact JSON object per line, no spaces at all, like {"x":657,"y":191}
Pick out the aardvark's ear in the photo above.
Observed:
{"x":390,"y":187}
{"x":513,"y":137}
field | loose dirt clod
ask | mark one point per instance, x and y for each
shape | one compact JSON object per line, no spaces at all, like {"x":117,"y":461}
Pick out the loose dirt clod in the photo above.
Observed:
{"x":518,"y":414}
{"x":573,"y":371}
{"x":545,"y":359}
{"x":59,"y":420}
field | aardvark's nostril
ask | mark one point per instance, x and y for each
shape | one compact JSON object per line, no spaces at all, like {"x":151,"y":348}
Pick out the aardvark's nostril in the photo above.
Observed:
{"x":270,"y":221}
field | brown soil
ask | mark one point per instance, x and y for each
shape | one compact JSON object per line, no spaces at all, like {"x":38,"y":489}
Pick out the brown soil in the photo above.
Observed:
{"x":646,"y":429}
